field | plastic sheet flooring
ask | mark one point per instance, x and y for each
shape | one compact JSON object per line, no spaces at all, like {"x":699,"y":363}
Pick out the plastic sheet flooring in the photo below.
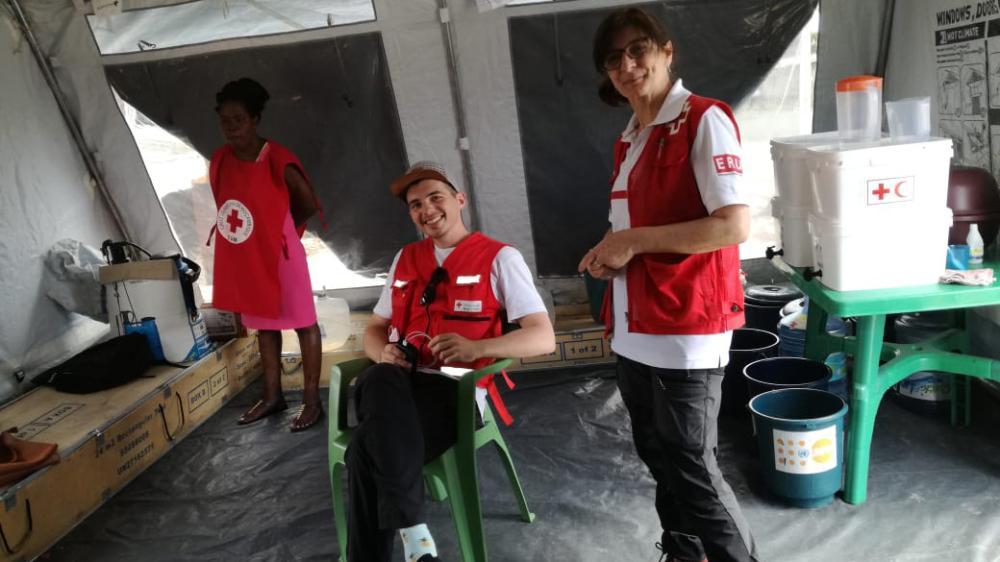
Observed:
{"x":261,"y":493}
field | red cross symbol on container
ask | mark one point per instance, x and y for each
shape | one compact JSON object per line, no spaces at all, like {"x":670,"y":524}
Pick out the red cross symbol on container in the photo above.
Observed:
{"x":881,"y":191}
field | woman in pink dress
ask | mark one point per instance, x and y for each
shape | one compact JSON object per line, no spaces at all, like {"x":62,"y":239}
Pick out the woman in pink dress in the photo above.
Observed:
{"x":264,"y":199}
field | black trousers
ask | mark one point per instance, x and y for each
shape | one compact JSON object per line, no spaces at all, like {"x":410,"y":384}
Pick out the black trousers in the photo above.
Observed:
{"x":674,"y":416}
{"x":404,"y":421}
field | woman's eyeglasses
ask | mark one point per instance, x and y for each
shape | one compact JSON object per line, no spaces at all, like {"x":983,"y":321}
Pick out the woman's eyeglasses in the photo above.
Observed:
{"x":635,"y":51}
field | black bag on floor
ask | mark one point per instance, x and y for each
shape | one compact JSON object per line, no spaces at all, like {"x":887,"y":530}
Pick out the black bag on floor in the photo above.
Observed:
{"x":103,"y":366}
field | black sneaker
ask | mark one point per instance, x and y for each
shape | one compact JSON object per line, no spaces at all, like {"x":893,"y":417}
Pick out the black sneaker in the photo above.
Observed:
{"x":667,"y":557}
{"x":428,"y":558}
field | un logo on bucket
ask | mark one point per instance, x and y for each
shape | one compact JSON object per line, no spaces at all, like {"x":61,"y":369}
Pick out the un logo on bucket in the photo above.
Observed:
{"x":800,"y":436}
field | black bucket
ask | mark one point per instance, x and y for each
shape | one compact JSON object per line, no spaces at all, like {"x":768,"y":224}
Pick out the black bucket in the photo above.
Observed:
{"x":925,"y":392}
{"x":764,"y":303}
{"x":776,"y":373}
{"x":749,"y":345}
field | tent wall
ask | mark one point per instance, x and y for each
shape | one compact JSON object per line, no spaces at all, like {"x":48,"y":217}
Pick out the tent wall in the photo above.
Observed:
{"x":567,"y":133}
{"x":65,"y":36}
{"x":421,"y":75}
{"x":45,"y":196}
{"x":331,"y":104}
{"x":850,"y":38}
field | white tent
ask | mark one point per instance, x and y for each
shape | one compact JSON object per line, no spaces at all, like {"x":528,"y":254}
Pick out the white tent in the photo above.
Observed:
{"x":453,"y":80}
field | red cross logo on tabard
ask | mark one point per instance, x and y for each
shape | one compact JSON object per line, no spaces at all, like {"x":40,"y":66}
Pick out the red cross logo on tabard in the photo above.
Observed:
{"x":234,"y":221}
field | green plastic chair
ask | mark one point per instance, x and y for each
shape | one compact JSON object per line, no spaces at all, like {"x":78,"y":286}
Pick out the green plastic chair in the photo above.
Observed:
{"x":453,"y":476}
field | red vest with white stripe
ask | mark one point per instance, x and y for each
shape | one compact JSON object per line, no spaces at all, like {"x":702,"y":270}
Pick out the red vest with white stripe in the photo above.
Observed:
{"x":676,"y":293}
{"x":464,"y":301}
{"x":252,"y":203}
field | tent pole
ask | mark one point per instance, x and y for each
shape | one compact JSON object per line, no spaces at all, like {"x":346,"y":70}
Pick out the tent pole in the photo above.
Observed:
{"x":885,"y":39}
{"x":448,"y":30}
{"x":74,"y":127}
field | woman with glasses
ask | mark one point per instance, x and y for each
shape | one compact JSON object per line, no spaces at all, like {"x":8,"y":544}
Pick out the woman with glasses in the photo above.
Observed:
{"x":677,"y":218}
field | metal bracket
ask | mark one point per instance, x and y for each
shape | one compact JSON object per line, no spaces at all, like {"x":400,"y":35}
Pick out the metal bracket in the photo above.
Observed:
{"x":3,"y":536}
{"x":172,"y":435}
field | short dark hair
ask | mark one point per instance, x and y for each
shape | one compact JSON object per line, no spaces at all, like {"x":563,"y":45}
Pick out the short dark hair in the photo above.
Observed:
{"x":245,"y":91}
{"x":613,"y":24}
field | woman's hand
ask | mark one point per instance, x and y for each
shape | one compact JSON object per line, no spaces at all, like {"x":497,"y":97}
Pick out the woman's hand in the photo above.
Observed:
{"x":394,"y":356}
{"x":606,"y":259}
{"x":453,"y":348}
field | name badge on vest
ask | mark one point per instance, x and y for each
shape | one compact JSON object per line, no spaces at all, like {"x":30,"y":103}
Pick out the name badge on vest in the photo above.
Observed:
{"x":467,"y":280}
{"x":399,"y":284}
{"x":468,"y":306}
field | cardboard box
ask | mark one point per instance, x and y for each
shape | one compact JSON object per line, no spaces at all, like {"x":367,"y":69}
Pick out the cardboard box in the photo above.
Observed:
{"x":163,"y":270}
{"x":222,"y":324}
{"x":573,"y":348}
{"x":152,"y":289}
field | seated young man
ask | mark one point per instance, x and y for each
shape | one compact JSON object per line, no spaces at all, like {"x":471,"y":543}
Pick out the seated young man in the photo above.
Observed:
{"x":442,"y":302}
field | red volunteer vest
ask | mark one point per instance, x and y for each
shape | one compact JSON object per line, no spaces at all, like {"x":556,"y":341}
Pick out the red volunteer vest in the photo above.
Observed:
{"x":464,"y":301}
{"x":252,"y":203}
{"x":675,"y":293}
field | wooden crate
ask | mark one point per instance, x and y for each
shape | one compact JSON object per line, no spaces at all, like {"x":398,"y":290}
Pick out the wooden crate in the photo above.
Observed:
{"x":108,"y":438}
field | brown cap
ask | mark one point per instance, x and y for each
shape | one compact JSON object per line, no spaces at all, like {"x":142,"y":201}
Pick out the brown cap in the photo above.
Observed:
{"x":424,"y":170}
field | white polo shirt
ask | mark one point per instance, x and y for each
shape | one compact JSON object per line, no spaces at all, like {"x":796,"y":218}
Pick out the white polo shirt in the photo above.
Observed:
{"x":716,"y":135}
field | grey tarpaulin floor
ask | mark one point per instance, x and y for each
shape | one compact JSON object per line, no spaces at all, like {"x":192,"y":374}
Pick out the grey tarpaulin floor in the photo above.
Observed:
{"x":262,"y":493}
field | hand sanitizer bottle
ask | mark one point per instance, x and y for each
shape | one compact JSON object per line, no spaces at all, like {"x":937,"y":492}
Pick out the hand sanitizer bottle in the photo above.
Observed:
{"x":975,"y":242}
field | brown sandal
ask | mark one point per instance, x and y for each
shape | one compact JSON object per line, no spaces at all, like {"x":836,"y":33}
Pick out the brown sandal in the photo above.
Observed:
{"x":300,"y":424}
{"x":263,"y":409}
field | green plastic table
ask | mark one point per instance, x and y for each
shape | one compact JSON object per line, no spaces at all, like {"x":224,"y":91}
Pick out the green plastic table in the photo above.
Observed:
{"x":947,"y":352}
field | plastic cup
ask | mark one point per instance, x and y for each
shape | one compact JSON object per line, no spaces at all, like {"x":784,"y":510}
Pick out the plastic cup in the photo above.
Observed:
{"x":958,"y":256}
{"x":859,"y":108}
{"x":909,"y":118}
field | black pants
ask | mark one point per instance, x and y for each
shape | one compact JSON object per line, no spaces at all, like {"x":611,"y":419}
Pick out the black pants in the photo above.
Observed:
{"x":404,"y":421}
{"x":674,"y":425}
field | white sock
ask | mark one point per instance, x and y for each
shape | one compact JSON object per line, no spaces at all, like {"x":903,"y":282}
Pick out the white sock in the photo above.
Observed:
{"x":417,"y":541}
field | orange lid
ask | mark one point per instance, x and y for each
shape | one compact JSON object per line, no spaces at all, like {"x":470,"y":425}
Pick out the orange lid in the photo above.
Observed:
{"x":859,"y":83}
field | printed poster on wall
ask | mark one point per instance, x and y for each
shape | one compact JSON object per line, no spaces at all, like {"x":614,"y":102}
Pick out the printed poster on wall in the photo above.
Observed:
{"x":967,"y":63}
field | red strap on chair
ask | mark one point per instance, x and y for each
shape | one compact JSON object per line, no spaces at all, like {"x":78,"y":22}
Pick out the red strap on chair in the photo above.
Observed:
{"x":490,"y":385}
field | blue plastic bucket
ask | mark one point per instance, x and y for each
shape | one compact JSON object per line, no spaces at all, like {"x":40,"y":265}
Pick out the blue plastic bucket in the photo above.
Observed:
{"x":800,"y":438}
{"x":749,"y":344}
{"x":776,"y":373}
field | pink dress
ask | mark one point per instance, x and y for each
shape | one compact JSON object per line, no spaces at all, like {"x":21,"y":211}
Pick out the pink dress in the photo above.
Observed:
{"x":297,"y":307}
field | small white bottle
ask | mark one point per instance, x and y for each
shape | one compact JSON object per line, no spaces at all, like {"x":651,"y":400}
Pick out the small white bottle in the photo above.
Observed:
{"x":975,"y":242}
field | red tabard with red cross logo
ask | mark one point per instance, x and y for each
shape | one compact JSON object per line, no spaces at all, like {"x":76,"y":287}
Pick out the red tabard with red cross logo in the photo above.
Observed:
{"x":252,"y":202}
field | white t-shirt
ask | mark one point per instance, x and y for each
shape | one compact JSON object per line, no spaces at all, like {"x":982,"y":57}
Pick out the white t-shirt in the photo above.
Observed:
{"x":716,"y":135}
{"x":510,"y":278}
